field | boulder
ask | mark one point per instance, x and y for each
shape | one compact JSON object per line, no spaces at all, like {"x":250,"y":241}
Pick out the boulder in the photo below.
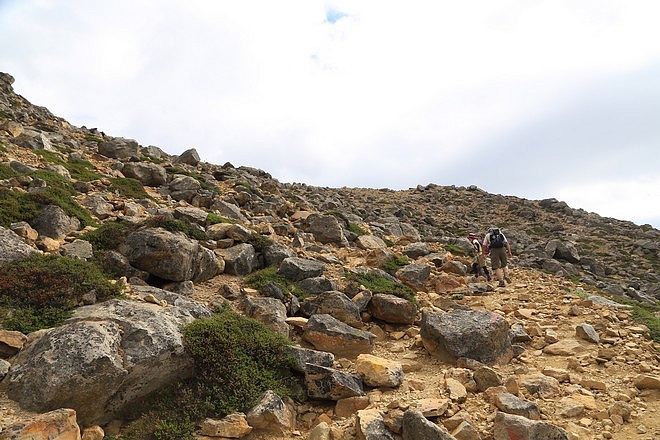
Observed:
{"x":34,"y":140}
{"x":228,"y":210}
{"x":272,"y":414}
{"x":184,"y":187}
{"x":190,"y":214}
{"x":473,"y":334}
{"x":59,"y":424}
{"x":12,"y":247}
{"x":333,"y":303}
{"x":392,"y":309}
{"x":102,"y":359}
{"x":327,"y":333}
{"x":511,"y":404}
{"x":269,"y":311}
{"x":53,"y":222}
{"x":326,"y":229}
{"x":240,"y":259}
{"x":587,"y":332}
{"x":189,"y":157}
{"x":316,"y":285}
{"x":276,"y":253}
{"x":562,"y":250}
{"x":417,"y":250}
{"x":231,"y":426}
{"x":119,"y":148}
{"x":542,"y":385}
{"x":98,"y":206}
{"x":371,"y":425}
{"x":297,"y":269}
{"x":370,"y":242}
{"x":508,"y":426}
{"x":170,"y":256}
{"x":414,"y":275}
{"x":379,"y":372}
{"x":149,"y":174}
{"x":417,"y":427}
{"x":304,"y":356}
{"x":11,"y":342}
{"x":330,"y":384}
{"x":80,"y":249}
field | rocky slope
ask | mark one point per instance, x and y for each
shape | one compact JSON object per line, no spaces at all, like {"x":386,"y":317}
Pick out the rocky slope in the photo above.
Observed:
{"x":572,"y":364}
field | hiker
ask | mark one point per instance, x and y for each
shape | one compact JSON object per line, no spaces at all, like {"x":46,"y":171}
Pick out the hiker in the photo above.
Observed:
{"x":499,"y":247}
{"x":479,"y":262}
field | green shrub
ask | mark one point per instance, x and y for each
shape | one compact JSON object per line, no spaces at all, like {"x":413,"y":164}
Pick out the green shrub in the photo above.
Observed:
{"x":174,"y":225}
{"x":41,"y":289}
{"x":257,"y":280}
{"x":3,"y":149}
{"x":380,"y":284}
{"x":49,"y":156}
{"x":648,"y":315}
{"x":212,"y":218}
{"x":108,"y":236}
{"x":6,"y":172}
{"x":456,"y":250}
{"x":92,"y":138}
{"x":388,"y":242}
{"x":356,"y":229}
{"x":16,"y":206}
{"x":260,"y":242}
{"x":394,"y":263}
{"x":129,"y":188}
{"x":82,"y":170}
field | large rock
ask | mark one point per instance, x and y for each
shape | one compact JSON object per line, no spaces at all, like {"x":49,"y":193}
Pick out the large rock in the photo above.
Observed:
{"x":11,"y":342}
{"x":371,"y":425}
{"x":333,"y":303}
{"x":296,"y":269}
{"x":98,"y":206}
{"x":379,"y":372}
{"x":184,"y":187}
{"x":418,"y":427}
{"x":270,"y":311}
{"x":105,"y":357}
{"x":511,"y":404}
{"x":149,"y":174}
{"x":232,"y":426}
{"x":329,"y":334}
{"x":326,"y":229}
{"x":562,"y":250}
{"x":276,"y":253}
{"x":228,"y":210}
{"x":53,"y":222}
{"x":34,"y":140}
{"x":330,"y":384}
{"x":304,"y":356}
{"x":272,"y":414}
{"x":509,"y":426}
{"x":119,"y":148}
{"x":392,"y":309}
{"x":12,"y":247}
{"x":482,"y":336}
{"x":414,"y":275}
{"x":190,"y":157}
{"x":240,"y":259}
{"x":55,"y":425}
{"x":170,"y":256}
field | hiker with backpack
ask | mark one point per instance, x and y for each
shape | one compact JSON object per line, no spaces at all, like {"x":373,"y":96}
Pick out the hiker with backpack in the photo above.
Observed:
{"x":500,"y":249}
{"x":479,"y":262}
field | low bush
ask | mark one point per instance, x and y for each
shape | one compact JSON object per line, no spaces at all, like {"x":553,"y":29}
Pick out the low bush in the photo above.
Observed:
{"x":129,"y":188}
{"x":380,"y":284}
{"x":456,"y":250}
{"x":40,"y":291}
{"x":174,"y":225}
{"x":394,"y":263}
{"x":356,"y":229}
{"x":257,"y":280}
{"x":108,"y":236}
{"x":260,"y":242}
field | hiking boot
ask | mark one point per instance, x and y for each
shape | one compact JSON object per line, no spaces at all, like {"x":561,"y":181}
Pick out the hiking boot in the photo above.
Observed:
{"x":501,"y":284}
{"x":507,"y":279}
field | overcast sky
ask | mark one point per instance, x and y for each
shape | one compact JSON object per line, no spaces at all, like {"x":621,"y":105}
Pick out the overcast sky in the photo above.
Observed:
{"x":535,"y":99}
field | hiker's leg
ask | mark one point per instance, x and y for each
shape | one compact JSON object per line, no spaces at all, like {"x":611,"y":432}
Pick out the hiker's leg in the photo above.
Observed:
{"x":488,"y":277}
{"x":506,"y":274}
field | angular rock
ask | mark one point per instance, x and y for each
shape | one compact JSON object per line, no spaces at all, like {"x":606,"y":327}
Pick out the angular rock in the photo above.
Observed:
{"x":59,"y":424}
{"x":12,"y":247}
{"x":98,"y":206}
{"x":565,"y":347}
{"x":170,"y":256}
{"x":316,"y":285}
{"x":190,"y":214}
{"x":350,"y":405}
{"x":321,"y":432}
{"x":455,"y":267}
{"x":231,"y":426}
{"x":417,"y":250}
{"x":511,"y":404}
{"x":228,"y":210}
{"x":371,"y":426}
{"x":333,"y":303}
{"x":370,"y":242}
{"x":328,"y":383}
{"x":431,"y":407}
{"x":276,"y":253}
{"x":509,"y":426}
{"x":379,"y":372}
{"x":80,"y":249}
{"x":149,"y":174}
{"x":272,"y":414}
{"x":457,"y":391}
{"x":467,"y":333}
{"x":119,"y":148}
{"x":414,"y":275}
{"x":184,"y":187}
{"x":562,"y":250}
{"x":569,"y":407}
{"x":329,"y":334}
{"x":190,"y":157}
{"x":4,"y":368}
{"x":647,"y":382}
{"x":485,"y":377}
{"x":269,"y":311}
{"x":34,"y":140}
{"x":544,"y":386}
{"x":304,"y":356}
{"x":53,"y":222}
{"x":326,"y":229}
{"x":240,"y":259}
{"x":296,"y":269}
{"x":392,"y":309}
{"x":418,"y":427}
{"x":105,"y":357}
{"x":587,"y":332}
{"x":466,"y":431}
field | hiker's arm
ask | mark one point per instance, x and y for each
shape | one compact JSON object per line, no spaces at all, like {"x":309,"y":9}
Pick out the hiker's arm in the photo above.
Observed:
{"x":508,"y":247}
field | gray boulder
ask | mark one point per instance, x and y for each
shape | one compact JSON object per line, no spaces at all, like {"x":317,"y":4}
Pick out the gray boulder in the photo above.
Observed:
{"x":328,"y":383}
{"x":562,"y":250}
{"x":12,"y":247}
{"x":228,"y":210}
{"x":119,"y":148}
{"x":190,"y":157}
{"x":276,"y":253}
{"x":149,"y":174}
{"x":272,"y":414}
{"x":417,"y":427}
{"x":296,"y":269}
{"x":80,"y":249}
{"x":316,"y":285}
{"x":326,"y":229}
{"x":98,"y":206}
{"x":414,"y":275}
{"x":417,"y":250}
{"x":269,"y":311}
{"x":511,"y":404}
{"x":53,"y":222}
{"x":371,"y":425}
{"x":240,"y":259}
{"x":184,"y":187}
{"x":482,"y":336}
{"x":508,"y":426}
{"x":304,"y":356}
{"x":105,"y":357}
{"x":327,"y":333}
{"x":34,"y":140}
{"x":333,"y":303}
{"x":170,"y":256}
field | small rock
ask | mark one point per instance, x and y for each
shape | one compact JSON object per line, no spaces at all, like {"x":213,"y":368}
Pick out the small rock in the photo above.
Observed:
{"x":232,"y":426}
{"x":587,"y":332}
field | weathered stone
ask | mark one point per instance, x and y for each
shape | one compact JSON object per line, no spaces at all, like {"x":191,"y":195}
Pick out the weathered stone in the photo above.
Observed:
{"x":272,"y":414}
{"x":333,"y":303}
{"x":11,"y":342}
{"x":371,"y":426}
{"x":455,"y":267}
{"x":465,"y":431}
{"x":190,"y":214}
{"x":296,"y":269}
{"x":239,"y":233}
{"x":518,"y":334}
{"x":34,"y":140}
{"x":190,"y":157}
{"x":485,"y":377}
{"x":457,"y":391}
{"x":231,"y":426}
{"x":587,"y":332}
{"x":467,"y":333}
{"x":316,"y":285}
{"x":350,"y":405}
{"x":509,"y":426}
{"x":414,"y":275}
{"x":276,"y":253}
{"x":558,"y":373}
{"x":119,"y":148}
{"x":544,"y":386}
{"x":379,"y":372}
{"x":511,"y":404}
{"x":80,"y":249}
{"x":416,"y":250}
{"x":105,"y":357}
{"x":304,"y":356}
{"x":326,"y":229}
{"x":328,"y":383}
{"x":240,"y":259}
{"x":94,"y":432}
{"x":98,"y":206}
{"x":269,"y":311}
{"x":12,"y":247}
{"x":431,"y":407}
{"x":370,"y":242}
{"x":59,"y":424}
{"x":647,"y":382}
{"x":228,"y":210}
{"x":170,"y":256}
{"x":149,"y":174}
{"x":184,"y":187}
{"x":565,"y":347}
{"x":4,"y":368}
{"x":329,"y":334}
{"x":53,"y":222}
{"x":418,"y":427}
{"x":392,"y":309}
{"x":562,"y":250}
{"x":569,"y":407}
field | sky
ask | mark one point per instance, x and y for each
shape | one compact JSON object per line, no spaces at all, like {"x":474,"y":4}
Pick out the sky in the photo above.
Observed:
{"x":534,"y":99}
